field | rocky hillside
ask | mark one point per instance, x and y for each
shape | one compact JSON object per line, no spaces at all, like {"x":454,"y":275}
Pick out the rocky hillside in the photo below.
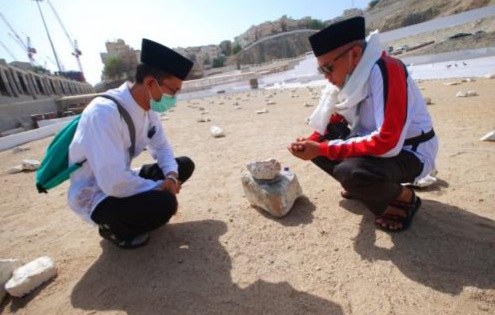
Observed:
{"x":289,"y":46}
{"x":385,"y":15}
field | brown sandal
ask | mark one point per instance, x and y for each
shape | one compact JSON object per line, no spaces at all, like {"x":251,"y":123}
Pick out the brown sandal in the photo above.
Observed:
{"x":410,"y":209}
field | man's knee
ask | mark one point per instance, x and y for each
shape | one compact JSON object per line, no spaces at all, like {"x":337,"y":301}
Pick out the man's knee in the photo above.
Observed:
{"x":163,"y":207}
{"x":351,"y":172}
{"x":186,"y":167}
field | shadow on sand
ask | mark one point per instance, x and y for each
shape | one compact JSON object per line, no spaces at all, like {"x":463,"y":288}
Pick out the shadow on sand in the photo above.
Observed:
{"x":301,"y":213}
{"x":446,"y":248}
{"x":184,"y":270}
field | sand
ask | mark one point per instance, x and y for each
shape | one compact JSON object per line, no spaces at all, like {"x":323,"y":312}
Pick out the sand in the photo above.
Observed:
{"x":218,"y":255}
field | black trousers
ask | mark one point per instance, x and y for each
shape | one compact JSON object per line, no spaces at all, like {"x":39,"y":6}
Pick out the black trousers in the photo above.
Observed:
{"x":138,"y":214}
{"x":375,"y":181}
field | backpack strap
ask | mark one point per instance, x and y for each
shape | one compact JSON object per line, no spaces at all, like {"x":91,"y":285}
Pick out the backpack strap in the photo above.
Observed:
{"x":127,"y":118}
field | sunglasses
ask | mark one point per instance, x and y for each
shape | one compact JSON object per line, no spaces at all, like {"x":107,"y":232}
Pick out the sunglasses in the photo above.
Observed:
{"x":328,"y":68}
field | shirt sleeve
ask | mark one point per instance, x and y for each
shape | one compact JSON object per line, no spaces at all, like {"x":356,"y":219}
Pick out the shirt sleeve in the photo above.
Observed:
{"x":160,"y":148}
{"x":391,"y":118}
{"x":108,"y":155}
{"x":334,"y":119}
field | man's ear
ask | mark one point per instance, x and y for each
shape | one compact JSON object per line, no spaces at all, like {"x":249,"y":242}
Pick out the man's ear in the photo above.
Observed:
{"x":148,"y":81}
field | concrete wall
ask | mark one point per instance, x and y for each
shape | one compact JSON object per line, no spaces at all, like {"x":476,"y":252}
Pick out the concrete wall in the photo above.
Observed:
{"x":13,"y":115}
{"x":17,"y":85}
{"x":19,"y":114}
{"x":25,"y":93}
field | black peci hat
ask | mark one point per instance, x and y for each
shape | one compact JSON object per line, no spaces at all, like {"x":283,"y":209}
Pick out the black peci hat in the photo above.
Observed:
{"x":159,"y":57}
{"x":337,"y":35}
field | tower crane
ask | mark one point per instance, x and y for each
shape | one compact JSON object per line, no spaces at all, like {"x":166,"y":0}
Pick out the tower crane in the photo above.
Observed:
{"x":77,"y":52}
{"x":26,"y":47}
{"x":8,"y":50}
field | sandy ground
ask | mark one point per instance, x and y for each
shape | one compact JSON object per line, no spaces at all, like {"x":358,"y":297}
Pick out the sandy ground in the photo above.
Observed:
{"x":218,"y":255}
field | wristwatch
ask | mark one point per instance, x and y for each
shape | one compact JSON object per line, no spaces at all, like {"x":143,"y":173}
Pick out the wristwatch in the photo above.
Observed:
{"x":172,"y":177}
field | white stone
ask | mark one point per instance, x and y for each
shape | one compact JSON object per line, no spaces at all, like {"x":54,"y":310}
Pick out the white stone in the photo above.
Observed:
{"x":466,"y":94}
{"x":451,"y":83}
{"x":276,"y":196}
{"x":7,"y":267}
{"x":489,"y":136}
{"x":16,"y":169}
{"x":268,"y":169}
{"x":216,"y":132}
{"x":30,"y":165}
{"x":263,"y":111}
{"x":271,"y":102}
{"x":425,"y":181}
{"x":490,"y":76}
{"x":28,"y":277}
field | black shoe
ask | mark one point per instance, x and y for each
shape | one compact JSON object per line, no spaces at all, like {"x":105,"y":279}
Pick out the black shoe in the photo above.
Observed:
{"x":129,"y":243}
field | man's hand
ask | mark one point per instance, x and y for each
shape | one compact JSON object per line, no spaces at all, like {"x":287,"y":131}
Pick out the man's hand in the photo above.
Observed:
{"x":304,"y":149}
{"x":171,"y":184}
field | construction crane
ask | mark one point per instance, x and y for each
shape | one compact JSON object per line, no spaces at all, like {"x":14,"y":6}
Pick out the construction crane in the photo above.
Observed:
{"x":26,"y":47}
{"x":48,"y":34}
{"x":77,"y":52}
{"x":8,"y":51}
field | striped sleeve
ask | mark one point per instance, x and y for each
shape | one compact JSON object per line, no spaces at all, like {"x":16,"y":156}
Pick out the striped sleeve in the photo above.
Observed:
{"x":387,"y":140}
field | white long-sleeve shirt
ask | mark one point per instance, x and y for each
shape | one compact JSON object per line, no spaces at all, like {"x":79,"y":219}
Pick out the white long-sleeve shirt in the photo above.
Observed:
{"x":102,"y":139}
{"x":383,"y":127}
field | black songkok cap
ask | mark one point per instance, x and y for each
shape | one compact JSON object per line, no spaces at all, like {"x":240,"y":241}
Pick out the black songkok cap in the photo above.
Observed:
{"x":159,"y":57}
{"x":337,"y":35}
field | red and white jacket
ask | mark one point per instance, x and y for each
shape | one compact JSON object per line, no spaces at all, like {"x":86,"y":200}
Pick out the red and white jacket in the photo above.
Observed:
{"x":392,"y":117}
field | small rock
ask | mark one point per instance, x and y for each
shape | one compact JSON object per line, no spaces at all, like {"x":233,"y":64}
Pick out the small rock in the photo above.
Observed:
{"x":7,"y":267}
{"x":451,"y":83}
{"x":466,"y":94}
{"x":267,"y":169}
{"x":28,"y":277}
{"x":217,"y":132}
{"x":275,"y":196}
{"x":263,"y":111}
{"x":308,"y":105}
{"x":30,"y":165}
{"x":16,"y":169}
{"x":20,"y":149}
{"x":271,"y":102}
{"x":488,"y":137}
{"x":428,"y":101}
{"x":203,"y":119}
{"x":425,"y":181}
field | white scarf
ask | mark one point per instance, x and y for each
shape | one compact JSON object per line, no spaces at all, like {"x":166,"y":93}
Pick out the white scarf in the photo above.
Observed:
{"x":344,"y":101}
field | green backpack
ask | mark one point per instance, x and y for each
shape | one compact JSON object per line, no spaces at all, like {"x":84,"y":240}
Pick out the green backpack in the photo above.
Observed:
{"x":54,"y":168}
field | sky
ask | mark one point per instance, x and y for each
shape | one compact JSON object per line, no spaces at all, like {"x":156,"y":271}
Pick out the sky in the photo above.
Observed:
{"x":174,"y":23}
